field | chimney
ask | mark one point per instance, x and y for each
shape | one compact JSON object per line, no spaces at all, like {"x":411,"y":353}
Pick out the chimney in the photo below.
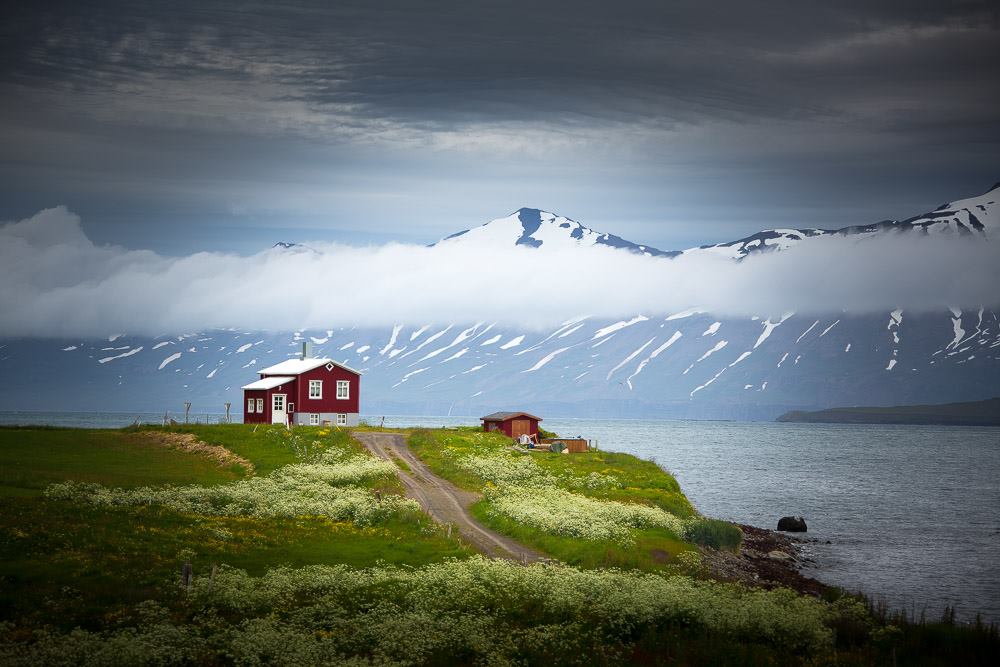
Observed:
{"x":305,"y":350}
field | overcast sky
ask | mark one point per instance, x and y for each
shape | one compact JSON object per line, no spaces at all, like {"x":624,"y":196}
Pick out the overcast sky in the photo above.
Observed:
{"x":206,"y":125}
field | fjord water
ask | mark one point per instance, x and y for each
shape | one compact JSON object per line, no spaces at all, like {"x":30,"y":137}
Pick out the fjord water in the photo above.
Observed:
{"x":912,"y":513}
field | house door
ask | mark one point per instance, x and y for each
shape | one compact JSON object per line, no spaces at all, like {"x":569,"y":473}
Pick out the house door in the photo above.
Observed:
{"x":520,"y":427}
{"x":278,"y":414}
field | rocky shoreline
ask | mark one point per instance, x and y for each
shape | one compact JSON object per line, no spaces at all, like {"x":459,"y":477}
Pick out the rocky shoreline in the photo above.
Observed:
{"x":766,"y":559}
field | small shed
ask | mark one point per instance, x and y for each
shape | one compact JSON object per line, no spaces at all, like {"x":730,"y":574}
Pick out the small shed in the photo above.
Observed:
{"x":513,"y":424}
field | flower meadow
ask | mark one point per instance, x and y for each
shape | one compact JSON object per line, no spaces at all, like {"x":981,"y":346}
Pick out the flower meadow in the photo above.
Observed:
{"x":92,"y":575}
{"x":560,"y":512}
{"x":519,"y":487}
{"x":474,"y":611}
{"x":330,"y":486}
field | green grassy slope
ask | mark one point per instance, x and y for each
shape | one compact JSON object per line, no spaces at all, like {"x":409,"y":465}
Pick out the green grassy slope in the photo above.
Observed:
{"x":31,"y":459}
{"x":76,"y":559}
{"x":86,"y":583}
{"x":603,"y":476}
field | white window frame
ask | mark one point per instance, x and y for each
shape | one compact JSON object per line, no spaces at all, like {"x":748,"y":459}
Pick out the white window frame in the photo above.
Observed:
{"x":314,"y":419}
{"x":318,"y":385}
{"x":341,"y":419}
{"x":284,"y":402}
{"x":346,"y":386}
{"x":250,"y":406}
{"x":260,"y":405}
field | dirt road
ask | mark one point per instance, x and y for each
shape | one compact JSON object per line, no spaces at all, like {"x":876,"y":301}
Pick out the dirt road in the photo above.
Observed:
{"x":442,"y":500}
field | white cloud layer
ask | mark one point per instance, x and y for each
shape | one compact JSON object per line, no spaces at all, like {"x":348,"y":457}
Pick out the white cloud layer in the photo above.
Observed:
{"x":54,"y":282}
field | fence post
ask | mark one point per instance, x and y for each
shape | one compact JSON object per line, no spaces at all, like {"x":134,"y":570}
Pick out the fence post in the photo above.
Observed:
{"x":228,"y":418}
{"x":187,"y":409}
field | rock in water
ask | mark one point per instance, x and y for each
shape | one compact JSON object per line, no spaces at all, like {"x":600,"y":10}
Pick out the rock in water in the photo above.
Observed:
{"x":792,"y":524}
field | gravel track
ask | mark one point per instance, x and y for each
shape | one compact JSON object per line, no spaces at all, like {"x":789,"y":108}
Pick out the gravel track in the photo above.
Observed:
{"x":443,"y":501}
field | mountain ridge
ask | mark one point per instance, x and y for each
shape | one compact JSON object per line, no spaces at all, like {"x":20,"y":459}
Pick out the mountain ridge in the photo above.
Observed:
{"x":527,"y":224}
{"x":689,"y":364}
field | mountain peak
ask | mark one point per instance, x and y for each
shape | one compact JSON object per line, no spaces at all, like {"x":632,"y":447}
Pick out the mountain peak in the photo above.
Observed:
{"x":537,"y":228}
{"x":287,"y":246}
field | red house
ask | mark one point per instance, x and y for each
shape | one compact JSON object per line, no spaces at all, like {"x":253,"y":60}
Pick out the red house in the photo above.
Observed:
{"x":514,"y":424}
{"x":304,"y":391}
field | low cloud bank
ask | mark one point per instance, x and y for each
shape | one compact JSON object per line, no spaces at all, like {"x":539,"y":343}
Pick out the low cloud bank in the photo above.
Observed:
{"x":54,"y":282}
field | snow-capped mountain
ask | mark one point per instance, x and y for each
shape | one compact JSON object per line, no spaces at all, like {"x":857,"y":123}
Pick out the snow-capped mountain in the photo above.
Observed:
{"x":973,"y":216}
{"x":543,"y":230}
{"x":686,"y":364}
{"x":539,"y":229}
{"x":286,"y":246}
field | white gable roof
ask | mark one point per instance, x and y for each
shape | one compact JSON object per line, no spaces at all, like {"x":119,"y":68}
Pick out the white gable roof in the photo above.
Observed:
{"x":299,"y":366}
{"x":268,"y":383}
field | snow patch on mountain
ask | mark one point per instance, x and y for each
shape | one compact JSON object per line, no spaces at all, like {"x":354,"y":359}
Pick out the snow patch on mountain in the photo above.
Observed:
{"x":684,"y":313}
{"x":169,"y":360}
{"x":427,"y":341}
{"x":630,"y":357}
{"x":652,"y":355}
{"x":769,"y":327}
{"x":457,"y":355}
{"x":122,"y":356}
{"x":392,"y":339}
{"x":513,"y":342}
{"x":546,"y":359}
{"x":718,"y":346}
{"x":618,"y":326}
{"x":806,"y":332}
{"x":827,"y":330}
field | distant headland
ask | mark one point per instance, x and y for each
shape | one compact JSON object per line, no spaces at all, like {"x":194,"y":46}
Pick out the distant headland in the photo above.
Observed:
{"x":973,"y":413}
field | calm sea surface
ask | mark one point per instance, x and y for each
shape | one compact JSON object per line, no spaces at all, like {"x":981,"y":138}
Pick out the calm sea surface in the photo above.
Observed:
{"x":912,"y":513}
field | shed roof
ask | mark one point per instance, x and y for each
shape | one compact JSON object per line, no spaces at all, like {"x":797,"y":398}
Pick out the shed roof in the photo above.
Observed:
{"x":504,"y":416}
{"x":300,"y":366}
{"x":268,"y":383}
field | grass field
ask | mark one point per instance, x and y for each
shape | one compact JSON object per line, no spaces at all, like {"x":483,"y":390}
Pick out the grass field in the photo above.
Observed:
{"x":600,"y":475}
{"x":31,"y":459}
{"x":61,"y":556}
{"x":267,"y":446}
{"x":641,"y":481}
{"x":85,"y":583}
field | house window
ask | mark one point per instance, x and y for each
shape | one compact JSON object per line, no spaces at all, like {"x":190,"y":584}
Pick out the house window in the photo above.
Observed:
{"x":278,"y":402}
{"x":250,"y":405}
{"x":260,"y":405}
{"x":343,"y":389}
{"x":341,"y":420}
{"x":315,"y":389}
{"x":313,"y":419}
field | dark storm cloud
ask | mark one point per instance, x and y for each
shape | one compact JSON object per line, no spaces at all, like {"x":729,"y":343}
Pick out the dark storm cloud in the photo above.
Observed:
{"x":227,"y":107}
{"x":452,"y":62}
